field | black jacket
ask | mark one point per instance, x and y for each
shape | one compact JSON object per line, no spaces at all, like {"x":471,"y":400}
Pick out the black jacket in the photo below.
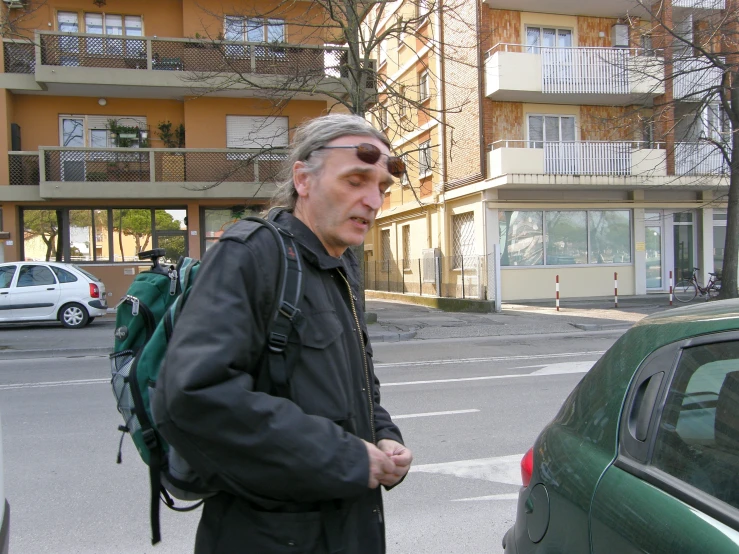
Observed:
{"x":276,"y":461}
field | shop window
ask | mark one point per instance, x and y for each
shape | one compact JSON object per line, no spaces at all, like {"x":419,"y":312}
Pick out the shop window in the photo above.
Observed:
{"x":521,"y":238}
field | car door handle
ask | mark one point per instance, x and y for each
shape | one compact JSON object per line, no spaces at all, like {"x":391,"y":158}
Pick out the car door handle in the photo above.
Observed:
{"x":643,"y":406}
{"x":3,"y":293}
{"x":51,"y":288}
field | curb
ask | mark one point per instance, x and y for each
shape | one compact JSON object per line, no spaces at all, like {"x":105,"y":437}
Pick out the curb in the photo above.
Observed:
{"x":392,"y":337}
{"x":55,"y":352}
{"x":599,"y":327}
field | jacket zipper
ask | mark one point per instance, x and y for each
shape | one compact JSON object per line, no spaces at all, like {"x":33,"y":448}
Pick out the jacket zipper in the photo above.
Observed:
{"x":364,"y":358}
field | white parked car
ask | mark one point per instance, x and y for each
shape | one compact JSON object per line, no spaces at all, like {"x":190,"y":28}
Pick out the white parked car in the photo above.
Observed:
{"x":48,"y":291}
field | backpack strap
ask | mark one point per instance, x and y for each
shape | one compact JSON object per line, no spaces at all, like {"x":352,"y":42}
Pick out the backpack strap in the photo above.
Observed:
{"x":285,"y":312}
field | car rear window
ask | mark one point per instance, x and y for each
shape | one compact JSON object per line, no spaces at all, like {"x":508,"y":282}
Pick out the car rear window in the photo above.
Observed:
{"x":87,"y":273}
{"x":63,"y":275}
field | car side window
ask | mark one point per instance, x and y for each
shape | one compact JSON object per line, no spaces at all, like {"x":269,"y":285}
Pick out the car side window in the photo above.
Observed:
{"x":35,"y":275}
{"x":63,"y":275}
{"x":6,"y":276}
{"x":698,"y":437}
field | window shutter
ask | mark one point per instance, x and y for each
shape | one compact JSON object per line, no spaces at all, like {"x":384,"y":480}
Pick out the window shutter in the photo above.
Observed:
{"x":245,"y":131}
{"x":101,"y":121}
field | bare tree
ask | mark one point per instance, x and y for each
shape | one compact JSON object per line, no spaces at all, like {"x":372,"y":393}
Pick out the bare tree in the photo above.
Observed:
{"x":692,"y":52}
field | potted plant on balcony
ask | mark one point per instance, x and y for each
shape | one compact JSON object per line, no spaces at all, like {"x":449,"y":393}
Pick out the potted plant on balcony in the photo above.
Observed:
{"x":173,"y":163}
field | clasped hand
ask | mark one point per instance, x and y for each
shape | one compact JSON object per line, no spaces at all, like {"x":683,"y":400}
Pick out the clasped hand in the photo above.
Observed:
{"x":389,"y":462}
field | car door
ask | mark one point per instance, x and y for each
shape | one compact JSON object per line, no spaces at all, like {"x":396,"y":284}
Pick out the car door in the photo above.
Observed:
{"x":7,"y":272}
{"x":36,"y":293}
{"x":674,"y":486}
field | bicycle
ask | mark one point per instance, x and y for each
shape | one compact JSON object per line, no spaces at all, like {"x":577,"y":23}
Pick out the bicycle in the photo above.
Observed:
{"x":687,"y":289}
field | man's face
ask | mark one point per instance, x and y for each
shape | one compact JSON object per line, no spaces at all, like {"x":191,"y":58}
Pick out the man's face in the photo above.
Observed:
{"x":340,"y":203}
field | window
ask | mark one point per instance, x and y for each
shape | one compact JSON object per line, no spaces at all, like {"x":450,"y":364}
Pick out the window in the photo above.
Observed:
{"x":610,"y":237}
{"x":69,"y":45}
{"x":424,"y":158}
{"x":402,"y":108}
{"x":382,"y":53}
{"x":6,"y":276}
{"x":249,"y":29}
{"x":102,"y":235}
{"x":401,"y":26}
{"x":215,"y":221}
{"x":463,"y":240}
{"x":404,"y":180}
{"x":547,"y":37}
{"x":521,"y":238}
{"x":257,"y":133}
{"x":386,"y":252}
{"x":550,"y":128}
{"x":93,"y":131}
{"x":35,"y":276}
{"x":698,"y":437}
{"x":406,"y":246}
{"x":567,"y":238}
{"x":112,"y":25}
{"x":63,"y":275}
{"x":382,"y":116}
{"x":423,"y":85}
{"x":719,"y":239}
{"x":422,"y":9}
{"x":572,"y":237}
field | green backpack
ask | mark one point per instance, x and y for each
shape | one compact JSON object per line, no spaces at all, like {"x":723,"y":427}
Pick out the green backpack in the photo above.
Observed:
{"x":145,"y":320}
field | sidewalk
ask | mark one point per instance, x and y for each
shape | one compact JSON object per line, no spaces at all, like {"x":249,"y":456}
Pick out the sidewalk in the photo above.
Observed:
{"x":395,"y":321}
{"x":401,"y":321}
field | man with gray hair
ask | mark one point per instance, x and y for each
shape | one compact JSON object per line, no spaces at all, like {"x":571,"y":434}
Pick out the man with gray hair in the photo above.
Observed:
{"x":298,"y":472}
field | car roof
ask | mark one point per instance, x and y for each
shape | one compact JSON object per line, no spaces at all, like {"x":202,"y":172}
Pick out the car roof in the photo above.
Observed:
{"x":29,"y":262}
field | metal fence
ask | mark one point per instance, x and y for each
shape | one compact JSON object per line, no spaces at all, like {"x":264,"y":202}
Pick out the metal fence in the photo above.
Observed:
{"x":699,"y":158}
{"x":178,"y":165}
{"x":587,"y":158}
{"x":585,"y":70}
{"x":695,"y":77}
{"x":20,"y":57}
{"x":165,"y":54}
{"x":23,"y":168}
{"x":445,"y":276}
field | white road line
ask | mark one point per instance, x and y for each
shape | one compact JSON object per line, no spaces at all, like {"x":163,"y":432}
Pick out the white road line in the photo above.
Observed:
{"x":54,"y":384}
{"x":551,"y":369}
{"x":503,"y":469}
{"x":490,"y":359}
{"x":429,"y":414}
{"x":509,"y":496}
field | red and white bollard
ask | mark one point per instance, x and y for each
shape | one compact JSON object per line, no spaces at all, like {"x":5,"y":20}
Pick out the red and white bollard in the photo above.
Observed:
{"x":615,"y":289}
{"x":670,"y":288}
{"x":556,"y":288}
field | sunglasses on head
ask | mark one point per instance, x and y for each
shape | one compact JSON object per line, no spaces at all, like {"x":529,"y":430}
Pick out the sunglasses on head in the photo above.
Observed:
{"x":369,"y":153}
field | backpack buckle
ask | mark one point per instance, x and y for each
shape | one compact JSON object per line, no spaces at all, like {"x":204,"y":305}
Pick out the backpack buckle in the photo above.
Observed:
{"x":150,"y":438}
{"x":277,"y":342}
{"x":288,"y":310}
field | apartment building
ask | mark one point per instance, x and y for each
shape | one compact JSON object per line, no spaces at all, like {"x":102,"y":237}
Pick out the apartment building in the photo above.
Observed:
{"x":556,"y":165}
{"x":132,"y":125}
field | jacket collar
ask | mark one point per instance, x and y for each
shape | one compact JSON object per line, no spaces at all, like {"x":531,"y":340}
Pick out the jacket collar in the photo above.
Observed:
{"x":312,"y":248}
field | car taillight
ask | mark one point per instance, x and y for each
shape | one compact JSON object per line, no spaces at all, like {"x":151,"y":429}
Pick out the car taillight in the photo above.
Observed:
{"x":527,"y":467}
{"x":94,"y":291}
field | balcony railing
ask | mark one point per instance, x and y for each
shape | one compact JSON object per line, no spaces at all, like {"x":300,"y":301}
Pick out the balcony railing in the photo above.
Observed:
{"x":699,"y":158}
{"x":589,"y":157}
{"x":23,"y":168}
{"x":173,"y":54}
{"x":175,"y":165}
{"x":587,"y":70}
{"x":695,"y":79}
{"x":20,"y":57}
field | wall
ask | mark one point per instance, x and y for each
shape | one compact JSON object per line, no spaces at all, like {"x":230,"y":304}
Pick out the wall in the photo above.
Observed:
{"x":503,"y":121}
{"x":607,"y":123}
{"x":589,"y":29}
{"x":574,"y":282}
{"x":38,"y":116}
{"x":505,"y":25}
{"x":205,"y":117}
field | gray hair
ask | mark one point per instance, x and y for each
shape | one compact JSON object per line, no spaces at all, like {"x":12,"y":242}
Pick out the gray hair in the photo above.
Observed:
{"x":311,"y":136}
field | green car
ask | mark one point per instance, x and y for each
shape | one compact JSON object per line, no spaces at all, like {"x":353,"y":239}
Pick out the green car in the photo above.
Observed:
{"x":644,"y":454}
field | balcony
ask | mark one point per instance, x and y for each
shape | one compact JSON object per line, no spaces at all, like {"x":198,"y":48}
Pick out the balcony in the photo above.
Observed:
{"x":695,"y":79}
{"x":700,"y":4}
{"x":60,"y":62}
{"x":699,"y":158}
{"x":595,"y":76}
{"x":146,"y":172}
{"x":582,"y":158}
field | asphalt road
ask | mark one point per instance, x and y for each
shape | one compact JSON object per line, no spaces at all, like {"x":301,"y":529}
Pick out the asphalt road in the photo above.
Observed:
{"x":469,"y":408}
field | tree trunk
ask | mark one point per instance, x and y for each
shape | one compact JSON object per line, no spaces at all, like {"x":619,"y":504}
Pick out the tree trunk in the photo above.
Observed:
{"x":731,"y":247}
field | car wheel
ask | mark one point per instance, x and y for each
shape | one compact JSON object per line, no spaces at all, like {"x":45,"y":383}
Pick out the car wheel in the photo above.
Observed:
{"x":73,"y":316}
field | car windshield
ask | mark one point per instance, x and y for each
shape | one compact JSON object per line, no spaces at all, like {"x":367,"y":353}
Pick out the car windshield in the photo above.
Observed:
{"x":86,"y":273}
